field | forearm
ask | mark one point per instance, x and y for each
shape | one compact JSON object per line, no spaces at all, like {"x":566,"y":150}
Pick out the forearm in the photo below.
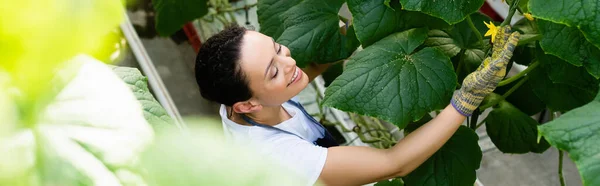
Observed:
{"x":420,"y":144}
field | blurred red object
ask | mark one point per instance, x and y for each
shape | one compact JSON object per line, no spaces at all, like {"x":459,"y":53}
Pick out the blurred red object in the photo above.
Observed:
{"x":487,"y":10}
{"x":192,"y":36}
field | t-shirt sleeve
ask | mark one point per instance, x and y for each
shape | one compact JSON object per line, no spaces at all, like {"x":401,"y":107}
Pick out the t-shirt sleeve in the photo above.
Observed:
{"x":300,"y":156}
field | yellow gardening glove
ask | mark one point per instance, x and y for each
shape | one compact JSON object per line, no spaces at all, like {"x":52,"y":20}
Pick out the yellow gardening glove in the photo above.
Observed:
{"x":484,"y":80}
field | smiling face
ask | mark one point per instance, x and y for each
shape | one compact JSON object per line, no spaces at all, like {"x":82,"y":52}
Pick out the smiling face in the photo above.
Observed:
{"x":270,"y":71}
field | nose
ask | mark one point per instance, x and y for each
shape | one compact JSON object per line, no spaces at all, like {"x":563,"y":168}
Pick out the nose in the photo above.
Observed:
{"x":289,"y":61}
{"x":290,"y":65}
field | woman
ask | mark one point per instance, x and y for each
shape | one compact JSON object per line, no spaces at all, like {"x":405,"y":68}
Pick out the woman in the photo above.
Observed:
{"x":254,"y":78}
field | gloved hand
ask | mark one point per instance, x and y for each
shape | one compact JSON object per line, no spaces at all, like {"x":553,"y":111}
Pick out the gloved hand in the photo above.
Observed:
{"x":484,"y":80}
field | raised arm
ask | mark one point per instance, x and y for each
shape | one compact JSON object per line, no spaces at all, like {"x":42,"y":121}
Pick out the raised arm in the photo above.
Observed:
{"x":354,"y":165}
{"x":350,"y":165}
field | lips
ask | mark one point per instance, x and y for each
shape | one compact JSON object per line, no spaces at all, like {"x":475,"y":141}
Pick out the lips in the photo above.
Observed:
{"x":296,"y":76}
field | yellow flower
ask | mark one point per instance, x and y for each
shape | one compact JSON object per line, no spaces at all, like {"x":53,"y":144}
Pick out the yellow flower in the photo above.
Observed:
{"x":493,"y":30}
{"x":528,"y":16}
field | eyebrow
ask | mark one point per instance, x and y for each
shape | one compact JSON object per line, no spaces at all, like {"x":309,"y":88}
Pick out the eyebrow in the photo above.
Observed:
{"x":272,"y":59}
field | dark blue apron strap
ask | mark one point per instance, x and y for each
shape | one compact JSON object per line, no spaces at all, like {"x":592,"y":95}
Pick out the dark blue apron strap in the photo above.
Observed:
{"x":327,"y":140}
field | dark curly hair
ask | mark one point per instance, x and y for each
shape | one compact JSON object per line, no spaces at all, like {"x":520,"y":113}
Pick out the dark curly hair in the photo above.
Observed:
{"x":218,"y":73}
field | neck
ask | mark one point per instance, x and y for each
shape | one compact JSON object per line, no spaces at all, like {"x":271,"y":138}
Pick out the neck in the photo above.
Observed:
{"x":268,"y":115}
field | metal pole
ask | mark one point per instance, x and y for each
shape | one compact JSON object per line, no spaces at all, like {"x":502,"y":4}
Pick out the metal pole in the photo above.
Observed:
{"x":149,"y":70}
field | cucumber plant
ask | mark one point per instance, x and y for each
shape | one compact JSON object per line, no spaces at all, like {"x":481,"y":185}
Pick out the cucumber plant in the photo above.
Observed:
{"x":415,"y":54}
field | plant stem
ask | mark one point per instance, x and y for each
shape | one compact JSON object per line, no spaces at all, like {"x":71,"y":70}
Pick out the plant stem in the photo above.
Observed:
{"x":222,"y":19}
{"x":514,"y":88}
{"x":383,"y":130}
{"x":344,"y":129}
{"x":511,"y":12}
{"x":233,"y":19}
{"x":493,"y":101}
{"x":530,"y":39}
{"x":533,"y":65}
{"x":474,"y":29}
{"x":479,"y":124}
{"x":474,"y":118}
{"x":560,"y":167}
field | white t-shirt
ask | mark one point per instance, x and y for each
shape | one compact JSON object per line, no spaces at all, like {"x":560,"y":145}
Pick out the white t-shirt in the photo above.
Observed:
{"x":290,"y":151}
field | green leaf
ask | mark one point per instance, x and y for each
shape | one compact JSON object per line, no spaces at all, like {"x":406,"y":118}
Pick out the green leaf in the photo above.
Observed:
{"x":312,"y":33}
{"x":582,"y":14}
{"x":393,"y":182}
{"x":560,"y":71}
{"x":39,"y":36}
{"x":154,"y":113}
{"x":461,"y":44}
{"x":525,"y":53}
{"x":453,"y":165}
{"x":269,"y":15}
{"x":523,"y":98}
{"x":450,"y":11}
{"x":460,"y":37}
{"x":392,"y":81}
{"x":374,"y":20}
{"x":569,"y":44}
{"x":387,"y":3}
{"x":578,"y":133}
{"x":82,"y":136}
{"x":511,"y":130}
{"x":332,"y":72}
{"x":557,"y":96}
{"x":171,"y":15}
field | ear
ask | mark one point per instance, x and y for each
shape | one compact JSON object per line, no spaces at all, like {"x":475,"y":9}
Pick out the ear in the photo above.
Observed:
{"x":246,"y":107}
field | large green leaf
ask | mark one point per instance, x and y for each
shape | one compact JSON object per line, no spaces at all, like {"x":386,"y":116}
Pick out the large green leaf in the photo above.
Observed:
{"x":392,"y":81}
{"x":393,"y":182}
{"x":450,"y":11}
{"x":557,"y":96}
{"x":171,"y":15}
{"x":460,"y":37}
{"x":374,"y":20}
{"x":453,"y":165}
{"x":269,"y":15}
{"x":461,"y":43}
{"x":511,"y":130}
{"x":569,"y":44}
{"x":312,"y":33}
{"x":525,"y":53}
{"x":582,"y":14}
{"x":82,"y":136}
{"x":38,"y":36}
{"x":560,"y":71}
{"x":523,"y":98}
{"x":154,"y":113}
{"x":578,"y":133}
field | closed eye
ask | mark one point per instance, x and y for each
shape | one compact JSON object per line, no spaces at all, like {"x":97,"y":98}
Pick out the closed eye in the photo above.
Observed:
{"x":279,"y":50}
{"x":276,"y":71}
